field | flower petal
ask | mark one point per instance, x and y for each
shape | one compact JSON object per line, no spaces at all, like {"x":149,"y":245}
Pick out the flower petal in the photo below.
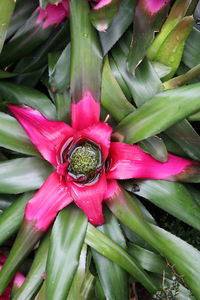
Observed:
{"x":85,"y":112}
{"x":18,"y":279}
{"x":102,"y":3}
{"x":54,"y":14}
{"x":100,"y":133}
{"x":89,"y":198}
{"x":129,"y":161}
{"x":45,"y":204}
{"x":48,"y":136}
{"x":153,"y":6}
{"x":112,"y":188}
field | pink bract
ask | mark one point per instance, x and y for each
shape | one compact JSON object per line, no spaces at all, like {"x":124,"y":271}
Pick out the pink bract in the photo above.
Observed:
{"x":153,"y":6}
{"x":118,"y":161}
{"x":53,"y":14}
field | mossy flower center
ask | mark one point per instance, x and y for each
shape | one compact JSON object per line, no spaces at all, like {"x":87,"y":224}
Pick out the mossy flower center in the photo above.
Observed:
{"x":84,"y":159}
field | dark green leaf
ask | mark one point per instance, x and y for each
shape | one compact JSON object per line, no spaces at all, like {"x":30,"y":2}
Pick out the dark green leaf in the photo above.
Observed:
{"x":186,"y":137}
{"x":13,"y":93}
{"x":191,"y":54}
{"x":173,"y":197}
{"x":119,"y":25}
{"x":59,"y":71}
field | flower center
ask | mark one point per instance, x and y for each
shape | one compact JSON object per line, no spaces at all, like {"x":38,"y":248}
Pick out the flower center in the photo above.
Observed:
{"x":84,"y":160}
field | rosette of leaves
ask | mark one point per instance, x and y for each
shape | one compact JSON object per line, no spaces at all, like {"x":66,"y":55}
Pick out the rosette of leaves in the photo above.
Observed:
{"x":143,"y":65}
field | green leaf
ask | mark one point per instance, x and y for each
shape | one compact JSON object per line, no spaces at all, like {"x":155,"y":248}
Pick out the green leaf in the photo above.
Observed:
{"x":4,"y":74}
{"x":177,"y":12}
{"x":183,"y":256}
{"x":23,"y":9}
{"x":112,"y":97}
{"x":110,"y":249}
{"x":6,"y":11}
{"x":59,"y":76}
{"x":145,"y":83}
{"x":170,"y":52}
{"x":23,"y":174}
{"x":63,"y":106}
{"x":86,"y":56}
{"x":36,"y":274}
{"x":191,"y":54}
{"x":11,"y":219}
{"x":79,"y":277}
{"x":25,"y":40}
{"x":119,"y":25}
{"x":145,"y":24}
{"x":154,"y":145}
{"x":186,"y":137}
{"x":15,"y":94}
{"x":102,"y":17}
{"x":39,"y":58}
{"x":114,"y":279}
{"x":173,"y":197}
{"x":13,"y":137}
{"x":65,"y":246}
{"x":164,"y":110}
{"x":6,"y":201}
{"x":148,"y":260}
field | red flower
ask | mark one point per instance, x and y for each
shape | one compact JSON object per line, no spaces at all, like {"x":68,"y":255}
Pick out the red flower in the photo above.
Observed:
{"x":86,"y":162}
{"x":17,"y":281}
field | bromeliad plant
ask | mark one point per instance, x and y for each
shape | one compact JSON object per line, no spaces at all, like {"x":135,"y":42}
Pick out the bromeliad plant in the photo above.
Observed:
{"x":93,"y":161}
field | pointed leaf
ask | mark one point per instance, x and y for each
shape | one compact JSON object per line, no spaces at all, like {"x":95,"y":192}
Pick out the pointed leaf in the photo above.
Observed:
{"x":15,"y":94}
{"x":148,"y":18}
{"x":170,"y":52}
{"x":103,"y":13}
{"x":173,"y":197}
{"x":11,"y":219}
{"x":23,"y":174}
{"x":36,"y":274}
{"x":13,"y":137}
{"x":185,"y":258}
{"x":176,"y":14}
{"x":164,"y":109}
{"x":119,"y":25}
{"x":114,"y":279}
{"x":65,"y":246}
{"x":6,"y":10}
{"x":107,"y":247}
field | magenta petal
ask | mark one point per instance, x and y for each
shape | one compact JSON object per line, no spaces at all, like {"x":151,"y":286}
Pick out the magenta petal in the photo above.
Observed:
{"x":100,"y":133}
{"x":101,"y":4}
{"x":48,"y":136}
{"x":85,"y":112}
{"x":112,"y":188}
{"x":18,"y":279}
{"x":153,"y":6}
{"x":45,"y":204}
{"x":89,"y":198}
{"x":129,"y":161}
{"x":54,"y":14}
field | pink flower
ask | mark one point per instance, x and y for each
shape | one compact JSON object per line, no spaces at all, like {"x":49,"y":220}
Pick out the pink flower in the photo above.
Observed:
{"x":153,"y":6}
{"x":86,"y":162}
{"x":53,"y":14}
{"x":17,"y":281}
